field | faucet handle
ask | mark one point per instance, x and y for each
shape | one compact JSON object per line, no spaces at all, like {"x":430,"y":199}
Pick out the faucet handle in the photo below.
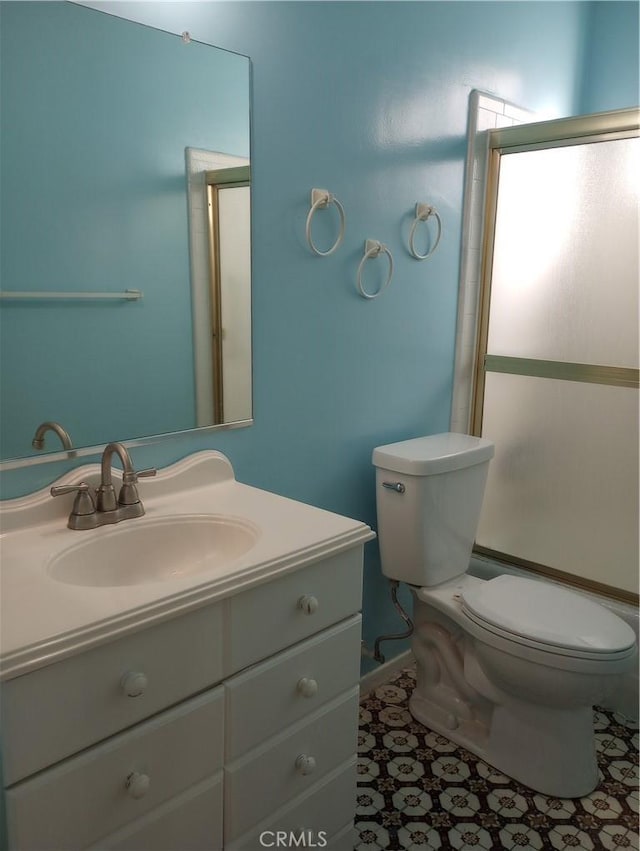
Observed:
{"x":128,"y":492}
{"x":84,"y":499}
{"x":131,"y":477}
{"x":83,"y":503}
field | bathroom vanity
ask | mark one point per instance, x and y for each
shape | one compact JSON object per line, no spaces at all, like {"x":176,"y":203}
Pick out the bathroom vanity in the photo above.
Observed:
{"x":187,"y":680}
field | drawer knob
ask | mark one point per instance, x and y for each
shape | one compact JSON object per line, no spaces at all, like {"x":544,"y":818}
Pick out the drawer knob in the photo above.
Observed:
{"x":305,"y":764}
{"x":307,"y":687}
{"x":133,"y":683}
{"x":137,"y":784}
{"x":308,"y":604}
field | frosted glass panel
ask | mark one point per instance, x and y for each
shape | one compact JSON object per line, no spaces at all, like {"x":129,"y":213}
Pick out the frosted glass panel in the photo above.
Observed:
{"x":234,"y":227}
{"x":563,"y":486}
{"x":565,"y":271}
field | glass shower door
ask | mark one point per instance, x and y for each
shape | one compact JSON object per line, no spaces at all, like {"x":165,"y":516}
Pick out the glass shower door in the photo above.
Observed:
{"x":558,"y":372}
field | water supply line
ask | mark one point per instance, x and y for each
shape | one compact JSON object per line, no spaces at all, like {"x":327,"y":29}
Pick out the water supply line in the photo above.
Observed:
{"x":377,"y":654}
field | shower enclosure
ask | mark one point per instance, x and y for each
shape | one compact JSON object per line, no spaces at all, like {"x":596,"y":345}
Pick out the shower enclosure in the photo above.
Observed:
{"x":556,"y":375}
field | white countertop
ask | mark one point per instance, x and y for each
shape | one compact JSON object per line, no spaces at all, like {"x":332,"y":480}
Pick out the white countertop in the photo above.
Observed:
{"x":44,"y":620}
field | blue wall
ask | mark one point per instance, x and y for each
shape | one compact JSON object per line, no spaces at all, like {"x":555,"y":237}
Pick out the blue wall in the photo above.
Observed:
{"x":611,"y":78}
{"x":370,"y":101}
{"x":94,"y":198}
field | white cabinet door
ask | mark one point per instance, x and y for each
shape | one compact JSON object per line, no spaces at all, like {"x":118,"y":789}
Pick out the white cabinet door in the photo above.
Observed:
{"x":268,"y":698}
{"x":288,"y":765}
{"x":95,"y":793}
{"x":59,"y":710}
{"x":190,"y":822}
{"x":282,"y":612}
{"x":322,"y":814}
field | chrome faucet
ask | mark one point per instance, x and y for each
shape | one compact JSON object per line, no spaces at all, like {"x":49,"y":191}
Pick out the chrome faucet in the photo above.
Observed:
{"x":128,"y":497}
{"x":43,"y":428}
{"x":88,"y":513}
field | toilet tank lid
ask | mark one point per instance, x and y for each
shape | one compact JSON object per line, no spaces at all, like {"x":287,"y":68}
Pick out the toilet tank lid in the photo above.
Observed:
{"x":548,"y":613}
{"x":436,"y":453}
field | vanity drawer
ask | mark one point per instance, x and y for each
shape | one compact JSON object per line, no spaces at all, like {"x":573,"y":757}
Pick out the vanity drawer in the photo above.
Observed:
{"x":79,"y":701}
{"x":267,"y":698}
{"x":190,"y":822}
{"x":82,"y":799}
{"x":320,"y":813}
{"x":268,"y":777}
{"x":282,"y":612}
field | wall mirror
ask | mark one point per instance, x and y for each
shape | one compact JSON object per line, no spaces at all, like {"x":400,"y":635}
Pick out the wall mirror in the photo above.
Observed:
{"x":125,"y":302}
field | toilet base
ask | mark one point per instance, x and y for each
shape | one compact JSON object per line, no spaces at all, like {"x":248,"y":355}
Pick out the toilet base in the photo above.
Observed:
{"x":549,"y":750}
{"x":468,"y":732}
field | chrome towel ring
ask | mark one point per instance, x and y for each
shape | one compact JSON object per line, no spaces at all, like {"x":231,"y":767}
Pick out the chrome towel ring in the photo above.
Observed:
{"x":320,"y":200}
{"x":423,"y":214}
{"x":373,"y":248}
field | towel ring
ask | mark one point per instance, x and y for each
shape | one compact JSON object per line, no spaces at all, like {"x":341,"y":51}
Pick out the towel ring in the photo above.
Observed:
{"x":372,"y":248}
{"x":423,"y":214}
{"x":320,"y":200}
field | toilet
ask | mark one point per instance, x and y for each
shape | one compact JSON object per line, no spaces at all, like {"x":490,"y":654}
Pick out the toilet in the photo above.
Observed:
{"x":509,"y":667}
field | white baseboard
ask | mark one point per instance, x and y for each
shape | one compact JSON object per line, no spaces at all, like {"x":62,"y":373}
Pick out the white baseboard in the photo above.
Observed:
{"x":383,"y":674}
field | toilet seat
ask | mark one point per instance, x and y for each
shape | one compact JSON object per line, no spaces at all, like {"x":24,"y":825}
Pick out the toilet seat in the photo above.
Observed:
{"x":546,"y":617}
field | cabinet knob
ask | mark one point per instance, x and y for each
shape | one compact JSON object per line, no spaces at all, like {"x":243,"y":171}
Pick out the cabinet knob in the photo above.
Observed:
{"x":133,"y":683}
{"x":308,"y":604}
{"x":307,"y":687}
{"x":305,"y":764}
{"x":137,"y":784}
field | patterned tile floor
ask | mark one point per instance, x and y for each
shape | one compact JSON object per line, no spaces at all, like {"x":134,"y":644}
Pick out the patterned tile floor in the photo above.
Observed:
{"x":417,"y":790}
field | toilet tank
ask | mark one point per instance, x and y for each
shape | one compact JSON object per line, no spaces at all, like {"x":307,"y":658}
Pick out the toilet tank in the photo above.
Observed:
{"x":429,"y":494}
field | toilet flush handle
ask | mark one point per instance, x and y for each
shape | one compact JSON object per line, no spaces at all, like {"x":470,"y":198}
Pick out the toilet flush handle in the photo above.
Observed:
{"x":394,"y":486}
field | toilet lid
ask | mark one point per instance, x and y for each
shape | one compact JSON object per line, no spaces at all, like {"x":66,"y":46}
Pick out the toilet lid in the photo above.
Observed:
{"x":547,"y":613}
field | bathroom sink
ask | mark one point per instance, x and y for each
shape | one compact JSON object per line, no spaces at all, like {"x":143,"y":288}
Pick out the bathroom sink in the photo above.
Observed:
{"x":154,"y":550}
{"x":204,"y":537}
